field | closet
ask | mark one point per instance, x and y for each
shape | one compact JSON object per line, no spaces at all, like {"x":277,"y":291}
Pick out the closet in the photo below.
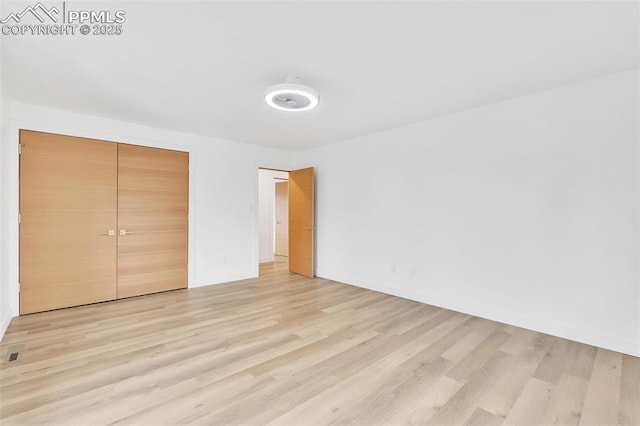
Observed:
{"x":99,"y":220}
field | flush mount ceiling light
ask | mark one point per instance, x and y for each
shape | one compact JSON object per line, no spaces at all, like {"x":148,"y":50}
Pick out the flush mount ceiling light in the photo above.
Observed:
{"x":291,"y":96}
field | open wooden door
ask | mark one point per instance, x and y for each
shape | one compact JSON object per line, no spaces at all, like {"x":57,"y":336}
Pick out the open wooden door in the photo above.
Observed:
{"x":68,"y":217}
{"x":282,"y":218}
{"x":301,"y":222}
{"x":153,"y":192}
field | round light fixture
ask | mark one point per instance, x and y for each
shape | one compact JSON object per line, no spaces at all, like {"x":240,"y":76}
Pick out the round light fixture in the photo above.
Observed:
{"x":291,"y":96}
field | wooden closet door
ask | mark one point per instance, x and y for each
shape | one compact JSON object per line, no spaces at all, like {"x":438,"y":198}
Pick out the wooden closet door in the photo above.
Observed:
{"x":67,"y":207}
{"x":153,"y":187}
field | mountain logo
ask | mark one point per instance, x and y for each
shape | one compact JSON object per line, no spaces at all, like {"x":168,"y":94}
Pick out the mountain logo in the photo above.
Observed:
{"x":38,"y":11}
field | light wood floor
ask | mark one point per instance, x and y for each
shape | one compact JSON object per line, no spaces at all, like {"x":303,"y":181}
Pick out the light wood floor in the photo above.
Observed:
{"x":284,"y":349}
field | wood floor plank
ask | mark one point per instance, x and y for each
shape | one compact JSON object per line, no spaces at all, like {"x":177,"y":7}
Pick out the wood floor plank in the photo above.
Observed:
{"x":511,"y":385}
{"x":531,"y":404}
{"x":478,"y":356}
{"x":560,"y":357}
{"x":603,"y":394}
{"x":566,"y":402}
{"x":394,"y":394}
{"x":480,"y":331}
{"x":481,"y":417}
{"x":629,"y":412}
{"x":419,"y":407}
{"x":519,"y":341}
{"x":285,"y":349}
{"x":464,"y":402}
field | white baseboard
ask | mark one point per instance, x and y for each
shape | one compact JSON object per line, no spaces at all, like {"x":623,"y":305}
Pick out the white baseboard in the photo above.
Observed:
{"x":614,"y":343}
{"x":226,"y":279}
{"x":4,"y":325}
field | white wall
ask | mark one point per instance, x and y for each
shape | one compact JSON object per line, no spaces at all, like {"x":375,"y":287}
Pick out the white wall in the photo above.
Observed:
{"x":266,"y":203}
{"x":5,"y":308}
{"x":223,"y":193}
{"x":524,"y":211}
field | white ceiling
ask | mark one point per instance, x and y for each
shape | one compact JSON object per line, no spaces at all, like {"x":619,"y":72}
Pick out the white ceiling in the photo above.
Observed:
{"x":203,"y":67}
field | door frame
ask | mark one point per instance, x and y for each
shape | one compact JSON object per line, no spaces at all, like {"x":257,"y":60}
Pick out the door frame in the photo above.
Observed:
{"x":257,"y":215}
{"x":257,"y":220}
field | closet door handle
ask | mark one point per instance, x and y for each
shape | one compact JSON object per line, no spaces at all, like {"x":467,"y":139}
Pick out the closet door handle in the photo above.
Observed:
{"x":109,"y":233}
{"x":124,"y":232}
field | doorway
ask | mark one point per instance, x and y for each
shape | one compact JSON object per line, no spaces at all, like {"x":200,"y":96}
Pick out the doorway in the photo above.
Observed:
{"x":281,"y":208}
{"x":286,"y":219}
{"x":273,"y":221}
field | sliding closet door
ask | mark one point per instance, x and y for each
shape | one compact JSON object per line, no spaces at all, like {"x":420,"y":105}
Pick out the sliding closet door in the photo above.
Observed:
{"x":153,"y":220}
{"x":68,"y":221}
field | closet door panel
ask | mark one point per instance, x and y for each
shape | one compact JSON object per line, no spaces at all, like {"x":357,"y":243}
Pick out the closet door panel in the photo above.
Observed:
{"x":68,"y":196}
{"x":153,"y":186}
